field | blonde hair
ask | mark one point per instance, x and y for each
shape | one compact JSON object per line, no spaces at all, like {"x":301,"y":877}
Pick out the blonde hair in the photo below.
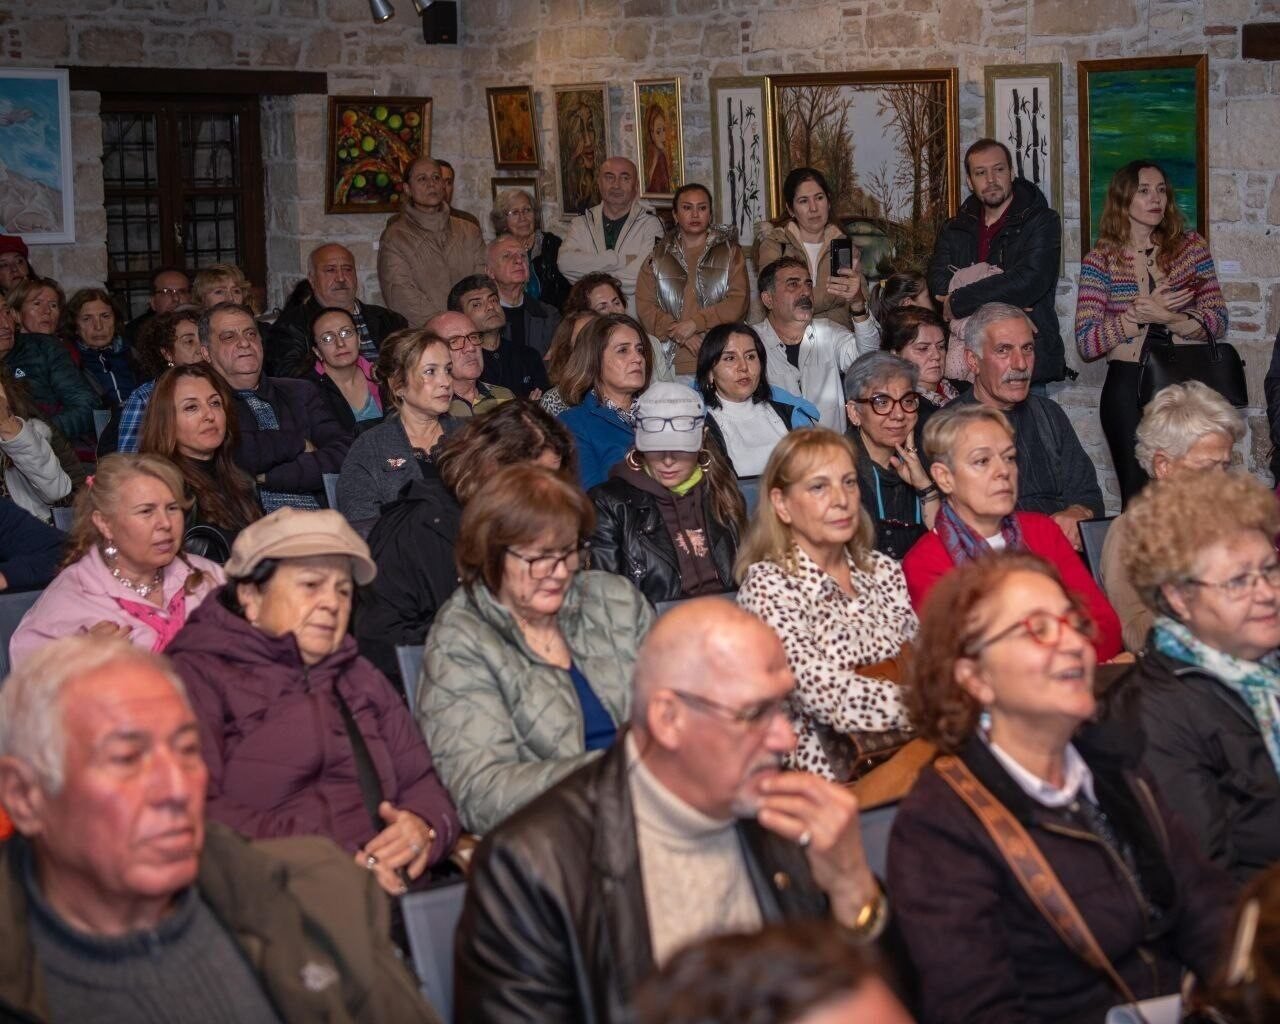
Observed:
{"x":214,"y":275}
{"x":1172,"y":521}
{"x":946,"y":425}
{"x":768,"y":538}
{"x":1178,"y":417}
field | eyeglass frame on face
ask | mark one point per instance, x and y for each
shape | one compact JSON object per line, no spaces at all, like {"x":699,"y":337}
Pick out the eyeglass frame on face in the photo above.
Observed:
{"x":881,"y":397}
{"x":752,"y":716}
{"x":1083,"y":625}
{"x":330,"y":338}
{"x":1245,"y":581}
{"x":693,"y":422}
{"x":474,"y":338}
{"x":580,"y":552}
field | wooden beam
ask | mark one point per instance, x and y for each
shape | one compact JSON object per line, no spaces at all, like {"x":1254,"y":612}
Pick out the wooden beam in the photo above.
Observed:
{"x":1261,"y":41}
{"x":199,"y":82}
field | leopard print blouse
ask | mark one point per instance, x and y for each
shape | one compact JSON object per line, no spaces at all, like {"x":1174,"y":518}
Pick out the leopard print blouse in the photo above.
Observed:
{"x":827,"y":634}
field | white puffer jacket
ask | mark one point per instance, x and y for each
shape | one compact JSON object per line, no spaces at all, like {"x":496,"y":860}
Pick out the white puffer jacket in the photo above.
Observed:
{"x":34,"y":477}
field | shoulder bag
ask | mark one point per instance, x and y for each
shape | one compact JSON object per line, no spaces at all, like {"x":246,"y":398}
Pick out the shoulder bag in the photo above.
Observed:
{"x":1213,"y":363}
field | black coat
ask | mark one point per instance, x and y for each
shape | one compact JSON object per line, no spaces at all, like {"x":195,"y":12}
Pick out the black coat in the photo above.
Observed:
{"x":518,"y":368}
{"x":555,"y":926}
{"x":412,"y":545}
{"x":554,"y":286}
{"x":286,"y":344}
{"x":540,"y":322}
{"x":338,"y":405}
{"x":1029,"y":251}
{"x":631,"y":539}
{"x":1208,"y":757}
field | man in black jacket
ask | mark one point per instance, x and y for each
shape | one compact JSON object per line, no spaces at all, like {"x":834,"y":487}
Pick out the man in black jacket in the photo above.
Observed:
{"x":334,"y":283}
{"x":1006,"y":223}
{"x":507,"y":362}
{"x":686,"y":827}
{"x":288,"y":436}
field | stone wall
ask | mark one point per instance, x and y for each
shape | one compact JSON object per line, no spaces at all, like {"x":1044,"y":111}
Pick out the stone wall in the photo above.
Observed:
{"x":552,"y":42}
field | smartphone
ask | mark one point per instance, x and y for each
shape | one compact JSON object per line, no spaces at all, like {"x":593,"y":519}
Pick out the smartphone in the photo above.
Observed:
{"x":841,"y":255}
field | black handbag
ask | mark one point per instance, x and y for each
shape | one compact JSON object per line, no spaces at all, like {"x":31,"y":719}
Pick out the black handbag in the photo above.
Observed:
{"x":1215,"y":364}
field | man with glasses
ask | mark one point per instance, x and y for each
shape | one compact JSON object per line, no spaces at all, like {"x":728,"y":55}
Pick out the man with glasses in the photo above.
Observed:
{"x":530,"y":321}
{"x":471,"y":396}
{"x":807,"y":356}
{"x":170,"y":289}
{"x":335,"y":283}
{"x":507,"y":362}
{"x":686,"y":827}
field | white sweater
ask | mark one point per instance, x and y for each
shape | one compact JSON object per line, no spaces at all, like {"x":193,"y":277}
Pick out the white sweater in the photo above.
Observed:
{"x":34,"y":476}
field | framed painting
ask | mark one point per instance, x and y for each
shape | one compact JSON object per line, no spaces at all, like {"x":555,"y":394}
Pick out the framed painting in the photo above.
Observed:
{"x":582,"y":131}
{"x":659,"y":137}
{"x":1152,"y":108}
{"x":372,"y":142}
{"x":530,"y":185}
{"x":37,"y":200}
{"x":1024,"y":111}
{"x":886,"y":141}
{"x":512,"y":129}
{"x":740,"y":153}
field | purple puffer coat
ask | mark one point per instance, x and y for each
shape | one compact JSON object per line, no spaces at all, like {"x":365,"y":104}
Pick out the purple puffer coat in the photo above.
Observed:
{"x":280,"y":761}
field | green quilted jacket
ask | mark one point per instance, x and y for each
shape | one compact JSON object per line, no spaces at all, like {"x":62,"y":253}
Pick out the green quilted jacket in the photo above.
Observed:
{"x":502,"y":724}
{"x":54,"y":383}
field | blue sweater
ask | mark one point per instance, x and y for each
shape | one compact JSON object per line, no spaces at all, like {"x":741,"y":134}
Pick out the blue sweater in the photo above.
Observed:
{"x":601,"y":436}
{"x":29,"y":549}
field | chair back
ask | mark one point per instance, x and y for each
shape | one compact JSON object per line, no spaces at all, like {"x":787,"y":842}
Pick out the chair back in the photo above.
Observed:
{"x":431,"y":919}
{"x":63,"y":518}
{"x":101,"y":417}
{"x":409,"y":659}
{"x":13,"y":606}
{"x":331,"y":489}
{"x":1093,"y":532}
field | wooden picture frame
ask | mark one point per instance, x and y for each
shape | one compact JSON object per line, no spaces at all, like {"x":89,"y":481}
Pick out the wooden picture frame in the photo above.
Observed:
{"x":512,"y":127}
{"x":371,"y":143}
{"x":38,"y":200}
{"x":659,"y":137}
{"x":1024,"y":111}
{"x":741,"y":157}
{"x":1144,"y":107}
{"x":530,"y":185}
{"x":582,"y":143}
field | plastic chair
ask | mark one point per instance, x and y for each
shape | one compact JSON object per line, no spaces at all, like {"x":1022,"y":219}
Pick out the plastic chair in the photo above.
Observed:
{"x":409,"y":659}
{"x":12,"y":607}
{"x":431,"y":919}
{"x":331,"y":489}
{"x":1093,"y":532}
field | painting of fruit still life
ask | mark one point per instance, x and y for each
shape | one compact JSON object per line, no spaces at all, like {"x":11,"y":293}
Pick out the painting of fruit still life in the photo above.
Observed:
{"x":372,"y":142}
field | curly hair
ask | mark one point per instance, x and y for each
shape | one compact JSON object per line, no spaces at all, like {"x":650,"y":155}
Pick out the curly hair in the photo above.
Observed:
{"x":1178,"y":417}
{"x":515,"y":432}
{"x":1174,"y":520}
{"x":939,"y":708}
{"x":69,"y":326}
{"x":578,"y":299}
{"x":1113,"y":225}
{"x":156,"y":334}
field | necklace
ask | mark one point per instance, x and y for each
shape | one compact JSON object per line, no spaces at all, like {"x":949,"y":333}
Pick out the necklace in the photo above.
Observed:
{"x":546,"y":646}
{"x":141,"y":589}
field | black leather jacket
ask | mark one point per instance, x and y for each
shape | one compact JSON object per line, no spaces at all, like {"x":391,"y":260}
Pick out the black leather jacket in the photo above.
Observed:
{"x":555,"y":926}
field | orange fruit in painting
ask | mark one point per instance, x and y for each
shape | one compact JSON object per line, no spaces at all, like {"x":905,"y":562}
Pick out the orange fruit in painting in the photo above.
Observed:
{"x":412,"y":118}
{"x":349,"y":117}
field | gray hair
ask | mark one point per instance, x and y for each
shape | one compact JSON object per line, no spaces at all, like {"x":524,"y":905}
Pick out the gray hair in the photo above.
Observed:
{"x":311,"y":256}
{"x":31,"y":726}
{"x":874,"y":368}
{"x":945,"y":426}
{"x":975,"y":328}
{"x":1178,"y":417}
{"x":205,"y":324}
{"x":502,"y":206}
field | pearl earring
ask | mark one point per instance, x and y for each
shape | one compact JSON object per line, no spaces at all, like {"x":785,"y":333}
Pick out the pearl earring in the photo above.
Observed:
{"x":110,"y":551}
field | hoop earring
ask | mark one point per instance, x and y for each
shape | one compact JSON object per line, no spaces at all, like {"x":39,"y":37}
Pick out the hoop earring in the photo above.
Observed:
{"x":633,"y":460}
{"x":704,"y":460}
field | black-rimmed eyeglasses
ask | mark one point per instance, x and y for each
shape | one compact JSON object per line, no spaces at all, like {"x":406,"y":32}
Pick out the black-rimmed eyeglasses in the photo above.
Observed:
{"x":882,"y":404}
{"x":542,"y":566}
{"x":751,"y":715}
{"x":654,"y":424}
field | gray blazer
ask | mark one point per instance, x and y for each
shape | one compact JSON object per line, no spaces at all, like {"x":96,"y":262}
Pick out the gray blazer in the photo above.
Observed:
{"x":378,"y":467}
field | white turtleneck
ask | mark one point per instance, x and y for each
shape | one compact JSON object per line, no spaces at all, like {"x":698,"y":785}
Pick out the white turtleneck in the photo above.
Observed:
{"x":750,"y":430}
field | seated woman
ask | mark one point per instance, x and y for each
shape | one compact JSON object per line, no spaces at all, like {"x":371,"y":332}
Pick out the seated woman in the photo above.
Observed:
{"x":747,"y":416}
{"x":1199,"y":550}
{"x":1186,"y":427}
{"x":163,"y":340}
{"x":414,"y":538}
{"x":124,"y":572}
{"x":971,"y":455}
{"x":52,"y":380}
{"x":839,"y":607}
{"x":290,"y":713}
{"x":1002,"y":682}
{"x":188,"y":423}
{"x":39,"y":302}
{"x":36,"y":462}
{"x":882,"y":405}
{"x":608,"y":368}
{"x":902,"y":290}
{"x":563,"y":342}
{"x":599,"y":292}
{"x":670,"y":515}
{"x":91,"y":328}
{"x":527,"y":671}
{"x":344,"y":376}
{"x":417,"y":370}
{"x":920,"y":337}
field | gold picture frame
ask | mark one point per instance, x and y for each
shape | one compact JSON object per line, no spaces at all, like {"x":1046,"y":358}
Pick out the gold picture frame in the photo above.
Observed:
{"x":659,"y":137}
{"x":513,"y":128}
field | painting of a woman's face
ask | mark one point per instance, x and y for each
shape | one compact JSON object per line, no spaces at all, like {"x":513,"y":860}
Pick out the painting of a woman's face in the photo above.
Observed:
{"x":658,"y":131}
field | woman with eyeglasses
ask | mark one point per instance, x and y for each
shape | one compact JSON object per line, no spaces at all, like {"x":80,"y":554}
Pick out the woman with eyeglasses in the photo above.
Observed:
{"x":1200,"y":551}
{"x":970,"y":452}
{"x":1003,"y":683}
{"x":883,"y":407}
{"x":527,"y":670}
{"x":344,"y":376}
{"x":670,"y":514}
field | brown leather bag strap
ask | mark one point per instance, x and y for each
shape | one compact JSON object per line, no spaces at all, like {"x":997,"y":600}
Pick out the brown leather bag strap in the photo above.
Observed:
{"x":1032,"y":871}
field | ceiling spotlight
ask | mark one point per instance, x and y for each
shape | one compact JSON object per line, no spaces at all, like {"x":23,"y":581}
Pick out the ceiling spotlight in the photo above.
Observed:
{"x":381,"y":11}
{"x":421,"y":5}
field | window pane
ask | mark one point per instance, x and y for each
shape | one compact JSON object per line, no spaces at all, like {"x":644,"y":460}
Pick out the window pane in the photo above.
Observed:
{"x":209,"y":145}
{"x":212,"y":230}
{"x":129,"y":150}
{"x":133,"y":233}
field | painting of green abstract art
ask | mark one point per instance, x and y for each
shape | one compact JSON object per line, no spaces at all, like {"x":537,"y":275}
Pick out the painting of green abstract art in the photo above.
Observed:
{"x":1151,"y":108}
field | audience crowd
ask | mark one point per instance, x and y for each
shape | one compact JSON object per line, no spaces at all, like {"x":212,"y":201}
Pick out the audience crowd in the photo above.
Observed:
{"x":557,"y":553}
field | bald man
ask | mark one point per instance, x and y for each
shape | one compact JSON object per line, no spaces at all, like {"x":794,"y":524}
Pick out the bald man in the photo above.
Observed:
{"x":425,"y":247}
{"x":686,"y":827}
{"x":335,"y":284}
{"x":471,"y":396}
{"x":530,"y":321}
{"x":615,"y":237}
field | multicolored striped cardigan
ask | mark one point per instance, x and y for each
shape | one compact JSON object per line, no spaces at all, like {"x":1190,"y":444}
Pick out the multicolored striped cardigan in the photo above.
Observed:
{"x":1108,"y":287}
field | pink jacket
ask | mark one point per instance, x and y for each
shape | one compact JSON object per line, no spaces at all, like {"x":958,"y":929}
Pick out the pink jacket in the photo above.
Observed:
{"x":85,"y":593}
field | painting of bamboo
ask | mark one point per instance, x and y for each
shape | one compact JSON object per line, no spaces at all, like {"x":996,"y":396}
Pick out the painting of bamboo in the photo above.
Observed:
{"x":1024,"y":111}
{"x":739,"y":129}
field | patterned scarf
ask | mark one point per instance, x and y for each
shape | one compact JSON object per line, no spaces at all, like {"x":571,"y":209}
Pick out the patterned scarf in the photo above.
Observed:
{"x":628,"y":416}
{"x":1257,"y":683}
{"x":945,"y":395}
{"x":963,"y":545}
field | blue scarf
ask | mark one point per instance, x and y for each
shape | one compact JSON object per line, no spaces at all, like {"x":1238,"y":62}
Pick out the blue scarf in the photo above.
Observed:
{"x":963,"y":545}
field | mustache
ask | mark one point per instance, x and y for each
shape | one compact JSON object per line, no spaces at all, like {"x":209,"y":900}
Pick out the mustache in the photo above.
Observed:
{"x":1015,"y":377}
{"x":804,"y":303}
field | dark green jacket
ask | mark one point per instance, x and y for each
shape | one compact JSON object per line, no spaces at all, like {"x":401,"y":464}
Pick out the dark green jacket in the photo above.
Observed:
{"x":288,"y":904}
{"x":54,"y":383}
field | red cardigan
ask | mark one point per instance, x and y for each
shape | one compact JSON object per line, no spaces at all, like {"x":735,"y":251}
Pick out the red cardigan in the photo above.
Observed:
{"x":928,"y":561}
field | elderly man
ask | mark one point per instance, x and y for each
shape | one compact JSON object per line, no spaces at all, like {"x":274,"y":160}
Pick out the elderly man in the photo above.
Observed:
{"x":615,"y":237}
{"x":511,"y":365}
{"x":471,"y":396}
{"x":170,"y":288}
{"x":425,"y":247}
{"x":120,"y":903}
{"x":15,"y":266}
{"x":806,"y":356}
{"x":1055,"y":476}
{"x":334,"y":284}
{"x":288,"y":437}
{"x":686,"y":827}
{"x":529,"y":321}
{"x":449,"y":178}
